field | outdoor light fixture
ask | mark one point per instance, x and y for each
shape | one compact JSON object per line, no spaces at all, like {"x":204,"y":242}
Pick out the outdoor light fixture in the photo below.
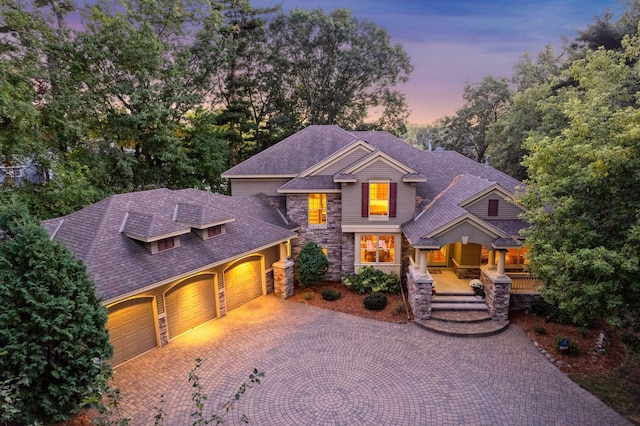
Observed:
{"x":465,"y":239}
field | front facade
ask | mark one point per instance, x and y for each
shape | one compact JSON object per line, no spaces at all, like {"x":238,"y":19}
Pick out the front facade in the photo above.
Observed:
{"x":167,"y":261}
{"x":370,"y":199}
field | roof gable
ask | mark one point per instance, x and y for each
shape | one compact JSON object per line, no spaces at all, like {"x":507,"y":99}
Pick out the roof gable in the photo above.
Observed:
{"x":356,"y":147}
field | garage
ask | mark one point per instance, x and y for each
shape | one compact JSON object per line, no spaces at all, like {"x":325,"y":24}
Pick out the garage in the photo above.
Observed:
{"x":190,"y":303}
{"x":243,"y":282}
{"x":131,"y":329}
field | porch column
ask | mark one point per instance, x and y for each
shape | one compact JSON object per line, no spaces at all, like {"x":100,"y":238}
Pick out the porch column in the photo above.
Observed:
{"x":423,"y":262}
{"x":492,"y":258}
{"x":283,"y":252}
{"x":501,"y":256}
{"x":283,"y":274}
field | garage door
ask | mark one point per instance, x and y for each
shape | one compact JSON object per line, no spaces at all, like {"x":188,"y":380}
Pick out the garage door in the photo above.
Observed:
{"x":243,"y":282}
{"x":131,"y":329}
{"x":189,"y":304}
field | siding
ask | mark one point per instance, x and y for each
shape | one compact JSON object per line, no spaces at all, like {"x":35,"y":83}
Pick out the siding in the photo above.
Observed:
{"x":352,"y":196}
{"x":240,"y":187}
{"x":466,"y":254}
{"x":506,"y":210}
{"x":475,"y":234}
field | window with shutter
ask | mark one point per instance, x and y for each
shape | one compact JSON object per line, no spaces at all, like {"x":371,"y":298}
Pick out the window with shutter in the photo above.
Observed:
{"x":493,"y":208}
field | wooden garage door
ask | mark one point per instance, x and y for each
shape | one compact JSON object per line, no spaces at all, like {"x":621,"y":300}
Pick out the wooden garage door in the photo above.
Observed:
{"x":131,"y":329}
{"x":243,"y":282}
{"x":189,"y":304}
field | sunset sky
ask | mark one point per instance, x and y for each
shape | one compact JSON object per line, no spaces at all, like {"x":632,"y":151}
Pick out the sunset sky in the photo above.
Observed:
{"x":456,"y":41}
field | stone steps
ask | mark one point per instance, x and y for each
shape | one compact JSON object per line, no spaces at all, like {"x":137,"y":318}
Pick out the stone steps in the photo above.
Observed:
{"x":462,"y":315}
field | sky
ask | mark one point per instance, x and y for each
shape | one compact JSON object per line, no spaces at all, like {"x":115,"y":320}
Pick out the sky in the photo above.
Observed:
{"x":453,"y":42}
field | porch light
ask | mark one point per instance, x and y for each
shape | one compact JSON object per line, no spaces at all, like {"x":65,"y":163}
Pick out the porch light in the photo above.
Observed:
{"x":465,"y":239}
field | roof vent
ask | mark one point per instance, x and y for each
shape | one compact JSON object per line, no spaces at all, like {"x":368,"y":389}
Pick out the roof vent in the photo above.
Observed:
{"x":487,"y":159}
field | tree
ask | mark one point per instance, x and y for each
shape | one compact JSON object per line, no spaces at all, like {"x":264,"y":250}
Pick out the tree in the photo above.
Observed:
{"x":52,"y":326}
{"x":583,"y":202}
{"x":311,"y":265}
{"x":484,"y":103}
{"x":334,"y":69}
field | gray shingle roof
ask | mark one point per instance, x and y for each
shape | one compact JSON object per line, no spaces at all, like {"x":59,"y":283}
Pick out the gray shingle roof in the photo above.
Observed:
{"x":321,"y":182}
{"x":296,"y":153}
{"x":119,"y":265}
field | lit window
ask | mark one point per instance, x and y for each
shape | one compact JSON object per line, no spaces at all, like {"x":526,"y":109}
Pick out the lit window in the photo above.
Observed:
{"x":516,"y":256}
{"x":377,"y":249}
{"x":378,"y":199}
{"x":317,"y":209}
{"x":324,"y":251}
{"x":165,"y":244}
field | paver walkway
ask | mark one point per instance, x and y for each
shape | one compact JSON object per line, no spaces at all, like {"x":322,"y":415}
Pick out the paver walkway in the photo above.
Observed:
{"x":328,"y":368}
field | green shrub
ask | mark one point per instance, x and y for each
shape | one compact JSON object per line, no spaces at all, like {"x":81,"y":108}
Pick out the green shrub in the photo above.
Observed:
{"x":571,"y":349}
{"x":539,"y":329}
{"x":330,"y":294}
{"x":311,"y":265}
{"x":307,"y":295}
{"x":370,"y":280}
{"x":375,"y":301}
{"x":399,"y":308}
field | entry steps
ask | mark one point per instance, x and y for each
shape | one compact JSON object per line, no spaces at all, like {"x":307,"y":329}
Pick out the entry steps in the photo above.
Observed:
{"x":461,"y":314}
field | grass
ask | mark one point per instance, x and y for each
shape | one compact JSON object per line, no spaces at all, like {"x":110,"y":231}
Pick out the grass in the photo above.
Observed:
{"x":619,"y":388}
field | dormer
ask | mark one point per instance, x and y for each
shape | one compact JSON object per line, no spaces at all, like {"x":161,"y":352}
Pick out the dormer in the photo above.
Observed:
{"x":157,"y":235}
{"x":204,"y":222}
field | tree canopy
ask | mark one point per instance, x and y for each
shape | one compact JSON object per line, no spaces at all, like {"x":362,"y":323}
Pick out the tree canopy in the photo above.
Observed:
{"x":52,"y":326}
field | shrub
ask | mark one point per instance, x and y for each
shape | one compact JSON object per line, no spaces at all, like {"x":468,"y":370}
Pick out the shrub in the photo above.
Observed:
{"x":539,"y":329}
{"x":370,"y":280}
{"x":375,"y":301}
{"x":572,"y":347}
{"x":330,"y":294}
{"x":399,"y":308}
{"x":307,"y":295}
{"x":311,"y":265}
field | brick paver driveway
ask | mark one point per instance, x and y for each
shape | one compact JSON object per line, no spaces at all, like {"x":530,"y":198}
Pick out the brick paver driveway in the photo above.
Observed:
{"x":327,"y":368}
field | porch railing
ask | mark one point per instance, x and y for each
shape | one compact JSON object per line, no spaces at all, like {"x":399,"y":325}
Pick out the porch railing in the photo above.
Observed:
{"x":524,"y":282}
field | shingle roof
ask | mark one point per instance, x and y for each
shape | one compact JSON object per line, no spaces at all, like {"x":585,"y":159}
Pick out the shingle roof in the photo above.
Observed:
{"x":120,"y":265}
{"x":296,"y":153}
{"x":321,"y":182}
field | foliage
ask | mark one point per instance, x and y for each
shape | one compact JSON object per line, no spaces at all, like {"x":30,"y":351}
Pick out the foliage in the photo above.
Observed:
{"x":333,"y":69}
{"x":330,"y":294}
{"x":375,"y":301}
{"x":476,"y":284}
{"x":571,"y":348}
{"x":311,"y":265}
{"x":307,"y":295}
{"x":199,"y":397}
{"x":105,"y":399}
{"x":539,"y":329}
{"x":52,"y":326}
{"x":399,"y":308}
{"x":369,"y":280}
{"x":582,"y":202}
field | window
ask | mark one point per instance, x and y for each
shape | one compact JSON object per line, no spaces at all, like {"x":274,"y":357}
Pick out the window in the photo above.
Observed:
{"x":377,"y":249}
{"x":515,"y":257}
{"x":379,"y":200}
{"x":214,"y":230}
{"x":165,"y":244}
{"x":493,"y":208}
{"x":317,"y":209}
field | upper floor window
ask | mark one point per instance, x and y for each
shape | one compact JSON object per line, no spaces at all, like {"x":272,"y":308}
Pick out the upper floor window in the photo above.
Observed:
{"x":493,"y":208}
{"x":317,"y":209}
{"x":379,"y":199}
{"x":165,"y":244}
{"x":214,"y":230}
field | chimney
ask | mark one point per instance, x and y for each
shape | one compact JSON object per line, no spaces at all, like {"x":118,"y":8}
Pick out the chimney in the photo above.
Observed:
{"x":487,"y":158}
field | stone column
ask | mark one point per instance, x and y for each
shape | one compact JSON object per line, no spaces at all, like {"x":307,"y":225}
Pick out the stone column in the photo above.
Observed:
{"x":501,"y":256}
{"x":423,"y":262}
{"x":420,"y":294}
{"x":283,"y":279}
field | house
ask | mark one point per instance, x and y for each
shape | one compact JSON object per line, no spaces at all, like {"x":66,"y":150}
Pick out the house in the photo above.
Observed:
{"x":165,"y":261}
{"x":370,"y":199}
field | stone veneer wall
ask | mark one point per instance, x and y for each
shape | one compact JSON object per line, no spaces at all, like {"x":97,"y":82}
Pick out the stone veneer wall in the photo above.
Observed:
{"x":497,"y":293}
{"x":329,"y":237}
{"x":420,"y":294}
{"x":522,"y":301}
{"x":269,"y":281}
{"x":164,"y":329}
{"x":348,"y":253}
